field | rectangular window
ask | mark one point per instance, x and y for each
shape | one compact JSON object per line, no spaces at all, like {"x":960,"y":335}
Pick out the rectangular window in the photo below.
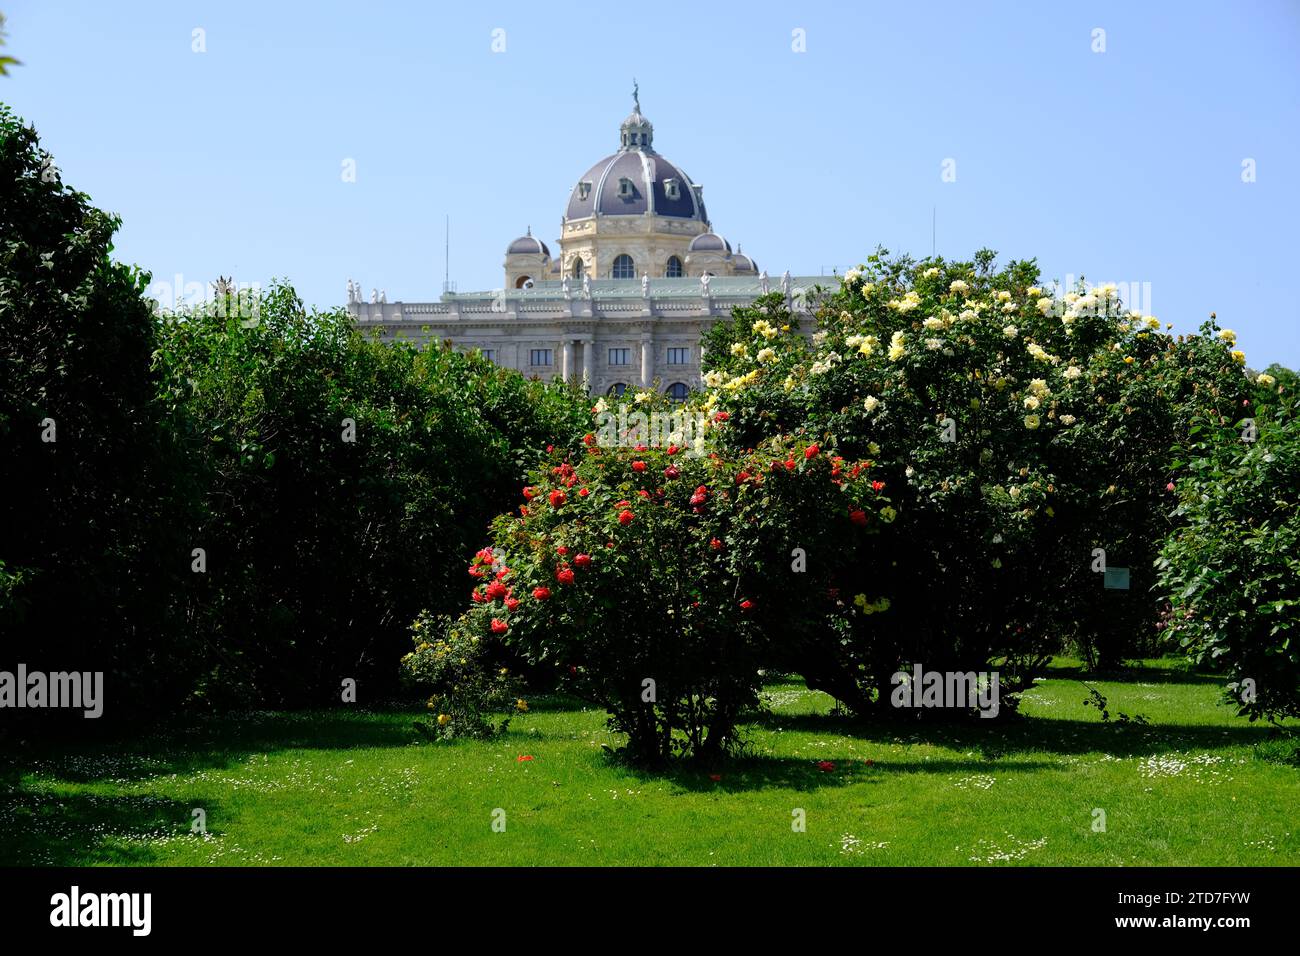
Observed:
{"x":620,"y":356}
{"x":540,"y":357}
{"x":489,"y":354}
{"x":679,"y":356}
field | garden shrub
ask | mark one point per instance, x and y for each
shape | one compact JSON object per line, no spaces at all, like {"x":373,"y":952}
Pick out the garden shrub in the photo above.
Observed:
{"x":657,"y":580}
{"x":1017,"y":431}
{"x":466,"y":676}
{"x":340,"y":480}
{"x":1231,"y":569}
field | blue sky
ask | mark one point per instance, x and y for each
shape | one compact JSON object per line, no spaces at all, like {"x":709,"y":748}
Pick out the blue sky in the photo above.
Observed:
{"x":1122,"y":166}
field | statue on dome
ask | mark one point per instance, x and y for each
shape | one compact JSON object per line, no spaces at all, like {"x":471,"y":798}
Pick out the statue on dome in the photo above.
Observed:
{"x":586,"y":286}
{"x":352,"y":292}
{"x":785,"y":283}
{"x":765,"y":283}
{"x":564,"y":286}
{"x":374,"y":296}
{"x":383,"y":297}
{"x":704,"y":284}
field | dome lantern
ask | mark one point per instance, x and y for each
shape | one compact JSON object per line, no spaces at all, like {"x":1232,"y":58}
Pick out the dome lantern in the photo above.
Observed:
{"x":636,"y":132}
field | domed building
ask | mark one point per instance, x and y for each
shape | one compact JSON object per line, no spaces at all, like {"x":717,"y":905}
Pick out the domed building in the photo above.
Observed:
{"x":638,"y":276}
{"x":634,"y":213}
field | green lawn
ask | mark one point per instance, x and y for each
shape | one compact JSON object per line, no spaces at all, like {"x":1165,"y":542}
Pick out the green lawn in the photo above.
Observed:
{"x":1198,"y":786}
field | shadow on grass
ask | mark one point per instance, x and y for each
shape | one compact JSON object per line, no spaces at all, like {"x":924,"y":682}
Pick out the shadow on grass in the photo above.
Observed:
{"x":747,"y":774}
{"x":214,"y":743}
{"x":44,"y":828}
{"x":1136,"y":674}
{"x":994,"y":739}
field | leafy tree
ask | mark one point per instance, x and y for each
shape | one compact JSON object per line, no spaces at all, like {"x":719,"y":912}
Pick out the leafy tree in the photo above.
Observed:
{"x":89,"y":549}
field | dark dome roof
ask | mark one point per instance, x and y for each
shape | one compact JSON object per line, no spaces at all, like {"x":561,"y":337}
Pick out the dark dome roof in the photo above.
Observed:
{"x":742,"y":263}
{"x":654,"y":185}
{"x":528,"y":245}
{"x":648,"y":174}
{"x":709,"y":242}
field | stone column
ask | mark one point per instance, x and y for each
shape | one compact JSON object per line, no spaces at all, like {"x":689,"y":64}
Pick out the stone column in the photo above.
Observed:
{"x":566,"y":359}
{"x":588,"y":347}
{"x":647,"y":358}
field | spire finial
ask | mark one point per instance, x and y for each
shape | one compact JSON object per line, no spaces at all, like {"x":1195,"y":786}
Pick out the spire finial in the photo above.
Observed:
{"x":636,"y":95}
{"x":530,"y":231}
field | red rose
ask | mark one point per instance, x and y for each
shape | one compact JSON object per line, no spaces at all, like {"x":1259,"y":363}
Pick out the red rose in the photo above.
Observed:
{"x":721,"y":417}
{"x":622,"y":504}
{"x":638,"y":466}
{"x":499,"y":626}
{"x":715,"y":544}
{"x":511,"y":604}
{"x":858,"y":516}
{"x":1169,"y":487}
{"x":475,"y":572}
{"x":589,"y":439}
{"x":523,"y":510}
{"x":811,"y":451}
{"x":625,"y":517}
{"x":671,"y":472}
{"x":877,"y":486}
{"x":742,"y":477}
{"x":496,"y":590}
{"x":557,"y":498}
{"x":746,"y":605}
{"x":673,"y":449}
{"x":825,"y":766}
{"x":564,"y":575}
{"x":582,"y":561}
{"x":561,"y":550}
{"x":789,"y":464}
{"x":502,"y":573}
{"x":478,"y":596}
{"x":642,"y":447}
{"x":583,"y":492}
{"x":529,"y":492}
{"x":541,"y":593}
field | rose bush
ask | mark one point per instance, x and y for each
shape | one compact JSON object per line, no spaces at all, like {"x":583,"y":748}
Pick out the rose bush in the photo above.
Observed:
{"x":1022,"y":434}
{"x":657,"y":581}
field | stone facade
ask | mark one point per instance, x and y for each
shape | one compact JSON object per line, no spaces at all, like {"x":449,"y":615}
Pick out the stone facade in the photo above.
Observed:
{"x":622,"y":335}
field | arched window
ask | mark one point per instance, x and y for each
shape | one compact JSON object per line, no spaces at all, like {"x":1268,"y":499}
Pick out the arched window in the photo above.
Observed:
{"x":523,"y":282}
{"x":616,"y":390}
{"x":678,"y":392}
{"x":674,"y":270}
{"x":577,"y":268}
{"x":623,"y":267}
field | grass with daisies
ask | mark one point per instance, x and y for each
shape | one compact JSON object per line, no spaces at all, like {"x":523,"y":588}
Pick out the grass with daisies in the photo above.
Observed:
{"x":1196,"y":785}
